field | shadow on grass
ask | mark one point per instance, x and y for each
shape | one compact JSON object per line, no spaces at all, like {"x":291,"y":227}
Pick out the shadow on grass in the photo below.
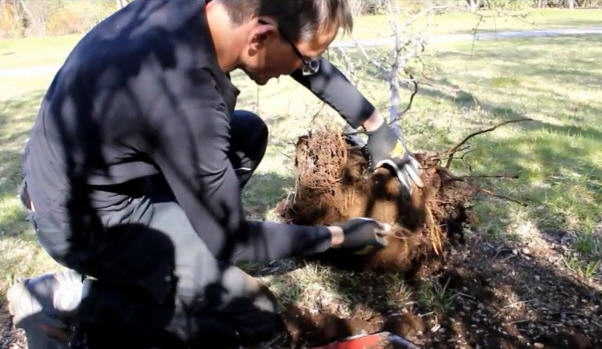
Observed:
{"x":264,"y":191}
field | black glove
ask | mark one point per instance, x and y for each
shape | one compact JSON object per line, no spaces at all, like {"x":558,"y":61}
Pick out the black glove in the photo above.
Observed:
{"x":363,"y":232}
{"x":381,"y":143}
{"x":385,"y":150}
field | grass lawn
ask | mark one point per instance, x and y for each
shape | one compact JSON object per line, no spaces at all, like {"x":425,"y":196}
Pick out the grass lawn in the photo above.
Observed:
{"x":555,"y":81}
{"x":369,"y":27}
{"x":35,"y":51}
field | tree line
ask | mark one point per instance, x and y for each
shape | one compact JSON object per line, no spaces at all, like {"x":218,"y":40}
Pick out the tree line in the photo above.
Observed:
{"x":20,"y":18}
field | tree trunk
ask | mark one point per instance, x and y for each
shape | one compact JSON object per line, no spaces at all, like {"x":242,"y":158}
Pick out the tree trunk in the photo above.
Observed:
{"x":27,"y":12}
{"x":473,"y":5}
{"x":571,"y":4}
{"x":33,"y":22}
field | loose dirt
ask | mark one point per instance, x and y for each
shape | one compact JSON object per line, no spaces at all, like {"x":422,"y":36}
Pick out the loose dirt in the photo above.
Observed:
{"x":10,"y":338}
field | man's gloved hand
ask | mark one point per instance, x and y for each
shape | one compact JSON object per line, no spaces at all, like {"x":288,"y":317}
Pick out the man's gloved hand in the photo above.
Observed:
{"x":386,"y":150}
{"x":363,"y":234}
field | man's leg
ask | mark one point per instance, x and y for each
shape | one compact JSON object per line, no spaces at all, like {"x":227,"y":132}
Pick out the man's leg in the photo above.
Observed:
{"x":187,"y":293}
{"x":219,"y":301}
{"x":248,"y":141}
{"x":176,"y":289}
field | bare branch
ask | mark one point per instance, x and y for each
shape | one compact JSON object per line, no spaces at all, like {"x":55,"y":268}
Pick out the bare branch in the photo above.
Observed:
{"x":414,"y":92}
{"x":455,"y":148}
{"x":504,"y":176}
{"x":503,"y":197}
{"x":368,"y":58}
{"x":474,"y":34}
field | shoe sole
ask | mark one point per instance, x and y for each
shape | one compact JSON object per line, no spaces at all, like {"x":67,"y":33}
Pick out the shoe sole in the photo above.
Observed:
{"x":15,"y":295}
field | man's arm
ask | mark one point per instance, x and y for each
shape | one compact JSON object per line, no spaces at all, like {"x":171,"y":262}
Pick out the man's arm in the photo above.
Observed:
{"x":190,"y":146}
{"x":331,"y":86}
{"x":384,"y":146}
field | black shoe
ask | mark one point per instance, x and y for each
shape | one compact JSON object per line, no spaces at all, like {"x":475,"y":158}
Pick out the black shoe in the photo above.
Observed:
{"x":44,"y":307}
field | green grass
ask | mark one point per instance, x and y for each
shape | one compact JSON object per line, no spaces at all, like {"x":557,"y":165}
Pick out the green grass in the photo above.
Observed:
{"x":559,"y":156}
{"x":589,"y":245}
{"x":36,"y":51}
{"x":20,"y":254}
{"x":45,"y":51}
{"x":464,"y":22}
{"x":331,"y":291}
{"x":435,"y":294}
{"x":586,"y":269}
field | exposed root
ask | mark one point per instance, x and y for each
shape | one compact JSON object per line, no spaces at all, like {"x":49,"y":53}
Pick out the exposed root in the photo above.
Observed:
{"x":343,"y":189}
{"x":452,"y":151}
{"x":503,"y":197}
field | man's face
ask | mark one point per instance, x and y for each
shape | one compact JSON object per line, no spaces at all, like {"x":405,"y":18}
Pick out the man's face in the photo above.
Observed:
{"x":270,"y":55}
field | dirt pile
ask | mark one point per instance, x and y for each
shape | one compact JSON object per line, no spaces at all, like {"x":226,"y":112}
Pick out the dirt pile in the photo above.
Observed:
{"x":334,"y":184}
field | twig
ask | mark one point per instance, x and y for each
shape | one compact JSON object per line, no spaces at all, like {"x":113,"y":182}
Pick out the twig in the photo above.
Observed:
{"x":519,"y":302}
{"x":517,"y":322}
{"x":445,"y":171}
{"x":286,"y":155}
{"x":317,"y":113}
{"x":453,"y":150}
{"x":414,"y":92}
{"x":380,"y":67}
{"x":465,"y":295}
{"x":491,"y":176}
{"x":499,"y":251}
{"x":490,"y":193}
{"x":474,"y":34}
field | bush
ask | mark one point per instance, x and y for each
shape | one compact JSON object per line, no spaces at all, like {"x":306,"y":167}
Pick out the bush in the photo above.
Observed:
{"x":51,"y":17}
{"x":78,"y":16}
{"x":11,"y":24}
{"x":64,"y":21}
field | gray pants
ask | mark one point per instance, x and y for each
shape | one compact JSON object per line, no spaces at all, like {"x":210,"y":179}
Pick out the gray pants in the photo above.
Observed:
{"x":197,"y":298}
{"x":154,"y":283}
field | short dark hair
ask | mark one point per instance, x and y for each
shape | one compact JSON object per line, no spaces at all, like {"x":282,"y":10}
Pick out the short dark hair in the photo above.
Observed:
{"x":298,"y":19}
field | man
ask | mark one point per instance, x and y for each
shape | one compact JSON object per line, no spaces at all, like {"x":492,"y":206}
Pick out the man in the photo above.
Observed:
{"x":136,"y":161}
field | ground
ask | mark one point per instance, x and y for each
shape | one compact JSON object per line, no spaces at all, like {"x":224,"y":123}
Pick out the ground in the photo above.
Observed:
{"x":483,"y":295}
{"x":523,"y":276}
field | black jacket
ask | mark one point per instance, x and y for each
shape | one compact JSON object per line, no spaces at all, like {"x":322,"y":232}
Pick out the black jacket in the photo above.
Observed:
{"x":142,"y":94}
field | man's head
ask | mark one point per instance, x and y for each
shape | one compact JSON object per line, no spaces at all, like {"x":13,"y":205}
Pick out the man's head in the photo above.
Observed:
{"x":285,"y":35}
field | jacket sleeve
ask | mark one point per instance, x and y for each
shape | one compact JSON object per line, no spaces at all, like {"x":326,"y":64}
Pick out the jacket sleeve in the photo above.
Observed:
{"x":192,"y":132}
{"x":331,"y":86}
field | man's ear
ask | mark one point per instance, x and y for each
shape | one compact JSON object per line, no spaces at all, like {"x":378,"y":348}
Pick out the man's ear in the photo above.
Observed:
{"x":261,"y":33}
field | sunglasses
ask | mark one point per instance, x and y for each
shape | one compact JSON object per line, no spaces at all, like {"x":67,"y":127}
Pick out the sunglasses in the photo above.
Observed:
{"x":310,"y":65}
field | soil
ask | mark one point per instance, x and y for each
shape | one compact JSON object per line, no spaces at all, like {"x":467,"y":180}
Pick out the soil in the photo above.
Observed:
{"x":10,"y":338}
{"x":500,"y":295}
{"x":333,"y":186}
